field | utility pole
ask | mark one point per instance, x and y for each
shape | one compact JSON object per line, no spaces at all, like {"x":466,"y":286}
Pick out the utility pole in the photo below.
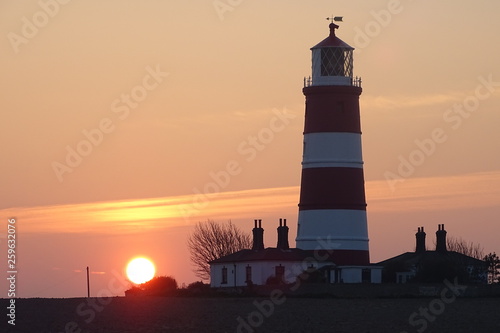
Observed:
{"x":88,"y":283}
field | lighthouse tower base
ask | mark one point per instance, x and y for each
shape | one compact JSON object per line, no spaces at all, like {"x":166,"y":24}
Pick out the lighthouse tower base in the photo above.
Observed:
{"x":346,"y":243}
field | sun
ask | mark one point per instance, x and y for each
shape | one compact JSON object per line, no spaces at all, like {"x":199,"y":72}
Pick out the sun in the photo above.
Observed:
{"x":140,"y":270}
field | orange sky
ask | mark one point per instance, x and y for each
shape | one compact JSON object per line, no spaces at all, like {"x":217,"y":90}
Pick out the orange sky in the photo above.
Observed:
{"x":204,"y":83}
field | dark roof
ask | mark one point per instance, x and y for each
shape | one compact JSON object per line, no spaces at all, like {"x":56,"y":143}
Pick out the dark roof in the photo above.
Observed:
{"x":268,"y":254}
{"x":332,"y":40}
{"x":338,"y":258}
{"x":414,"y":258}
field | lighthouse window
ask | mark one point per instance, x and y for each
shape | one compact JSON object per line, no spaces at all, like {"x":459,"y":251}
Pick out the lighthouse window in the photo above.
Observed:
{"x":224,"y":275}
{"x":332,"y":61}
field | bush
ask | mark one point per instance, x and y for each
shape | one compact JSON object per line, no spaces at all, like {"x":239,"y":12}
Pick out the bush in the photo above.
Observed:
{"x":157,"y":286}
{"x":134,"y":291}
{"x":160,"y":286}
{"x":274,"y":280}
{"x":198,"y":287}
{"x":312,"y":276}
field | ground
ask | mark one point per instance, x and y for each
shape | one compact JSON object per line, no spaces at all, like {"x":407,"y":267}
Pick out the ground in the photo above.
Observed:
{"x":280,"y":314}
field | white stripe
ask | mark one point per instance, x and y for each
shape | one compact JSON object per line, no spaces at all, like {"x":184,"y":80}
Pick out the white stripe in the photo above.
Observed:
{"x":339,"y":229}
{"x":332,"y":149}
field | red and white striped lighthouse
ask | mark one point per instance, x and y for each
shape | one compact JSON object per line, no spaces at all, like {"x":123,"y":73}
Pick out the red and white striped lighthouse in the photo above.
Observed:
{"x":332,"y":208}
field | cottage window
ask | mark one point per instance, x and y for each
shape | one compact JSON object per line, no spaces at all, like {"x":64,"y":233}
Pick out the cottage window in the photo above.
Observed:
{"x":248,"y":271}
{"x":366,"y":275}
{"x":224,"y":275}
{"x":279,"y":272}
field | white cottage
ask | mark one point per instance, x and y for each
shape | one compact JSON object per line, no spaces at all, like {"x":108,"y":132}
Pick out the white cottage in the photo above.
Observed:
{"x":282,"y":264}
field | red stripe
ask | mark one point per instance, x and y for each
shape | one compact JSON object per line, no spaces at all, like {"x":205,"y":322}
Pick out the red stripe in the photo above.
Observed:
{"x":332,"y":188}
{"x":332,"y":109}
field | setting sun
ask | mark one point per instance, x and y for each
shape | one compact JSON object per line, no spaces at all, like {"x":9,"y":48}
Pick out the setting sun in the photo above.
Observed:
{"x":140,"y":270}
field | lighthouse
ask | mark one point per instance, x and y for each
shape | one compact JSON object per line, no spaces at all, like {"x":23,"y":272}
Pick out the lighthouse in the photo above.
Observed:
{"x":332,"y":206}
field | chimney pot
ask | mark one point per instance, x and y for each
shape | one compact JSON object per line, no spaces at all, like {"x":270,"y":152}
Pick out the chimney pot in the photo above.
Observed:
{"x":258,"y":236}
{"x":441,"y":239}
{"x":283,"y":236}
{"x":420,"y":236}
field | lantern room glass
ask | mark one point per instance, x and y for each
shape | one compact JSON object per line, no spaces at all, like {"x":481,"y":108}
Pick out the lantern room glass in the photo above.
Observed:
{"x":336,"y":61}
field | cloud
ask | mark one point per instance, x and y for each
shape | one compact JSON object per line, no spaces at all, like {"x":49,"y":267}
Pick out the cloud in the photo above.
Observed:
{"x":143,"y":215}
{"x":407,"y":101}
{"x":392,"y":102}
{"x":472,"y":190}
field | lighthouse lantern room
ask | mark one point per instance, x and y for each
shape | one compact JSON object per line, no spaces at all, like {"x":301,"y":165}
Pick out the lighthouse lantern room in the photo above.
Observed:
{"x":332,"y":61}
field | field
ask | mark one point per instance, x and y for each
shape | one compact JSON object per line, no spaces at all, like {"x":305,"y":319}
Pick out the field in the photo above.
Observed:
{"x":274,"y":314}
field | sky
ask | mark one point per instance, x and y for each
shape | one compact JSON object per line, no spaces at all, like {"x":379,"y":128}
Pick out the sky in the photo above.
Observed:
{"x":124,"y":123}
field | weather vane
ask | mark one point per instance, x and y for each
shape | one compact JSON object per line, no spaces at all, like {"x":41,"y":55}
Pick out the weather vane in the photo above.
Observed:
{"x":335,"y":18}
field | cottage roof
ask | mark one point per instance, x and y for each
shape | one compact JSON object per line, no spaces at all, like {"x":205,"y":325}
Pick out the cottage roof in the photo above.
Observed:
{"x":268,"y":254}
{"x":413,"y":258}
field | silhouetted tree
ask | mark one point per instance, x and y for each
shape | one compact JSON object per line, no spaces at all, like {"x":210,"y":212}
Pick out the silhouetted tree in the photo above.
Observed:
{"x":468,"y":248}
{"x":210,"y":241}
{"x":493,"y":262}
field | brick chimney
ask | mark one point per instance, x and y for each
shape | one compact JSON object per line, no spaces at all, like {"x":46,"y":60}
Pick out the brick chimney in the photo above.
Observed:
{"x":283,"y":235}
{"x":258,"y":236}
{"x":420,"y":235}
{"x":441,"y":239}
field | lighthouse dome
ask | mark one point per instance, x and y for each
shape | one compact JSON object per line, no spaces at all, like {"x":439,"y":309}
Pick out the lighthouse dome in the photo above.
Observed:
{"x":332,"y":40}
